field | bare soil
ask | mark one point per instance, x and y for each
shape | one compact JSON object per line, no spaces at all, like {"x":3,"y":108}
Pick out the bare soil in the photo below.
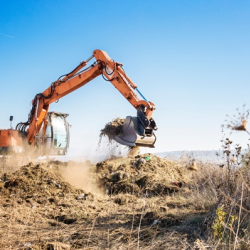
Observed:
{"x":138,"y":202}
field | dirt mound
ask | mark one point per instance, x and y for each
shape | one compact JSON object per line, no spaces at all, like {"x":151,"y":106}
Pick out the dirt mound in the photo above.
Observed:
{"x":36,"y":183}
{"x":39,"y":209}
{"x":140,"y":175}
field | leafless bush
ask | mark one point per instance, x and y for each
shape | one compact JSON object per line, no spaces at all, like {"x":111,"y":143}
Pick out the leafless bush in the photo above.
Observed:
{"x":232,"y":216}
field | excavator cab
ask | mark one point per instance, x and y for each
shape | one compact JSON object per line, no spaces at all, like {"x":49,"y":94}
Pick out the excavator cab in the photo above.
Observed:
{"x":138,"y":131}
{"x":56,"y":138}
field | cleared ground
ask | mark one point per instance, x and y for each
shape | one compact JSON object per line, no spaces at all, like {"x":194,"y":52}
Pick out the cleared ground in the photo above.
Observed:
{"x":139,"y":202}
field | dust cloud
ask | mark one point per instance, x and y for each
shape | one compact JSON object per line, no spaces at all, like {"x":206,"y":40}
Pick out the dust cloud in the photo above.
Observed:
{"x":80,"y":176}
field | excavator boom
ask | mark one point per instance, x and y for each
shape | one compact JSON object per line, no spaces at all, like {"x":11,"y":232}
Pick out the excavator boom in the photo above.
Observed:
{"x":136,"y":130}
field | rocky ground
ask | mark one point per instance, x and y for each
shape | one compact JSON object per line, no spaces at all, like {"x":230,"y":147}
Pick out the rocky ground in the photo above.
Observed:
{"x":138,"y":202}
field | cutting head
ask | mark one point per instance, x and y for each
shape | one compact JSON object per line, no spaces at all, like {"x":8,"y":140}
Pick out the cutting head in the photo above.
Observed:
{"x":135,"y":134}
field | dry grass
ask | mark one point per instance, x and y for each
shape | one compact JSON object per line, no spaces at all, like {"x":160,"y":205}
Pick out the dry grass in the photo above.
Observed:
{"x":239,"y":121}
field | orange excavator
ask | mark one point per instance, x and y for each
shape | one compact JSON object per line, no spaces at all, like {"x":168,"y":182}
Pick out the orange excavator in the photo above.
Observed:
{"x":48,"y":132}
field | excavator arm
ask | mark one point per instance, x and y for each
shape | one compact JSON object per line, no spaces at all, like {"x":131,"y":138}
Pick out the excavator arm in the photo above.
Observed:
{"x":111,"y":71}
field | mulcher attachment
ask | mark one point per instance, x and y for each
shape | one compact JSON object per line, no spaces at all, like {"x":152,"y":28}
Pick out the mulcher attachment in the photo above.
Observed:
{"x":137,"y":131}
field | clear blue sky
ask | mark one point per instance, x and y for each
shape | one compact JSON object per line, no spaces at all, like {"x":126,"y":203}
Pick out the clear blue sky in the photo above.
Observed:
{"x":190,"y":58}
